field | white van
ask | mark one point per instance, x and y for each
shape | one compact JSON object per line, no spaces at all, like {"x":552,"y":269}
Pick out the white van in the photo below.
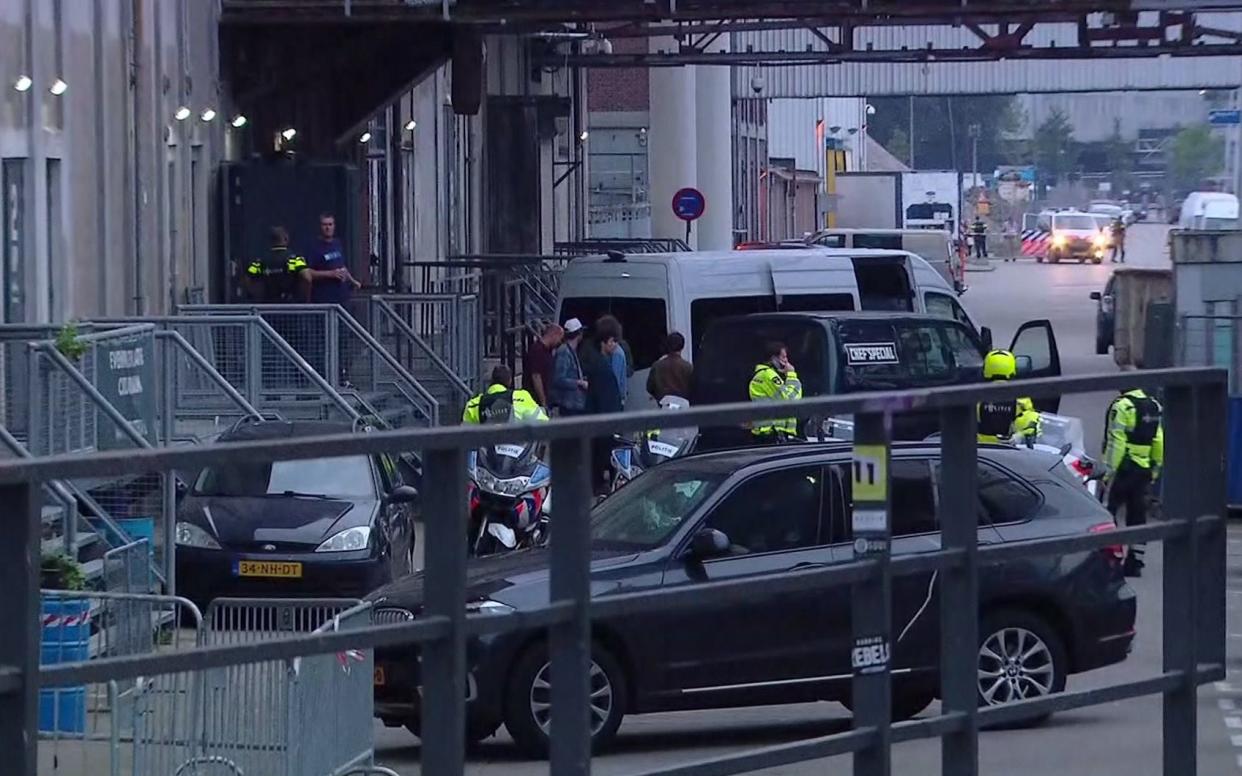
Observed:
{"x":653,"y":294}
{"x":1209,"y":210}
{"x":933,"y":245}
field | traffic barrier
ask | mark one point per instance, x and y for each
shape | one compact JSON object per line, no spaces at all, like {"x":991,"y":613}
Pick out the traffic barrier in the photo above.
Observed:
{"x":245,"y":620}
{"x":308,"y":716}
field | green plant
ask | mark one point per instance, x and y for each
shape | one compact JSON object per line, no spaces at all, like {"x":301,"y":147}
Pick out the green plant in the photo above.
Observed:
{"x":69,"y":343}
{"x":60,"y":572}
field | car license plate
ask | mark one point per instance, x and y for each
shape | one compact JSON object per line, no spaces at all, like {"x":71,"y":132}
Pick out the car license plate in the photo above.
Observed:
{"x":379,"y":676}
{"x":268,"y":568}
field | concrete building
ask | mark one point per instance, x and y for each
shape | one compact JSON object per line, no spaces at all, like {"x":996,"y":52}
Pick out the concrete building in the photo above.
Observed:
{"x":116,"y":115}
{"x":106,"y":179}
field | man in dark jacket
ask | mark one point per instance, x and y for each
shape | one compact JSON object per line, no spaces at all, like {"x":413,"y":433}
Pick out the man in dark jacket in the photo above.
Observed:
{"x":603,"y":391}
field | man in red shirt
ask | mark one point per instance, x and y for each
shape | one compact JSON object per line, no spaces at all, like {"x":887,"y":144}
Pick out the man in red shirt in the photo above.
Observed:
{"x":537,"y":364}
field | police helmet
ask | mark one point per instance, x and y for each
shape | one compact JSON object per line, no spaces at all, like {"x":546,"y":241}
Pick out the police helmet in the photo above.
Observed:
{"x":999,"y":365}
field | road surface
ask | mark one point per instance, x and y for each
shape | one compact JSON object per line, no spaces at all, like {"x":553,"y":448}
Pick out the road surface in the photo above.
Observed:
{"x":1120,"y":738}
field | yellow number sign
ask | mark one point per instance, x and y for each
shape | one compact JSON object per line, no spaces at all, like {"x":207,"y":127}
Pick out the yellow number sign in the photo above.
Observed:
{"x":870,"y":473}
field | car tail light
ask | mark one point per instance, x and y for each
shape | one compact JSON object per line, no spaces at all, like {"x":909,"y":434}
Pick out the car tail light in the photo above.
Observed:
{"x":1082,"y":467}
{"x":1115,"y":551}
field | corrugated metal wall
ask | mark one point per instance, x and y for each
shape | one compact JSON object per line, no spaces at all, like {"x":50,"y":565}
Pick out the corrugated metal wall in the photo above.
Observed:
{"x":792,"y":129}
{"x":1004,"y":77}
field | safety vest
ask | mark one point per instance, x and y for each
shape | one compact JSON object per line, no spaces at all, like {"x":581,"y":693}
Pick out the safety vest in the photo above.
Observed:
{"x":1001,"y":420}
{"x":277,"y":275}
{"x":767,"y":384}
{"x":500,"y":404}
{"x":1135,"y":431}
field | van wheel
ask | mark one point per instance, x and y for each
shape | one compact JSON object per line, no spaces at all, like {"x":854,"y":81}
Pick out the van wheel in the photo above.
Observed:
{"x":1020,"y":657}
{"x":1097,"y":260}
{"x":1039,"y":259}
{"x":527,"y":702}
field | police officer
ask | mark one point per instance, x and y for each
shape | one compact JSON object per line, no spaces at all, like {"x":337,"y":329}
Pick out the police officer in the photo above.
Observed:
{"x":1133,"y":456}
{"x":277,"y":277}
{"x":500,"y":403}
{"x":979,"y":232}
{"x":1000,"y":421}
{"x":775,"y":379}
{"x":1119,"y":239}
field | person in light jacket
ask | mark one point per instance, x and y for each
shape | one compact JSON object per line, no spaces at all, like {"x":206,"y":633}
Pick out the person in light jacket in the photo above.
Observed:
{"x":569,"y":384}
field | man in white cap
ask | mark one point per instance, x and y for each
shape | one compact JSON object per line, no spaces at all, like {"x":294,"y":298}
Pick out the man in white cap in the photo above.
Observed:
{"x":569,"y":385}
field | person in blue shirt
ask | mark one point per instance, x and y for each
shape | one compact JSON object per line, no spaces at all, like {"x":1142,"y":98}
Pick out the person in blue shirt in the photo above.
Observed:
{"x":327,"y":273}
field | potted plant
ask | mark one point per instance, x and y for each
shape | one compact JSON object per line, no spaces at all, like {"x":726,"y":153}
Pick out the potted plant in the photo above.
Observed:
{"x":60,"y":572}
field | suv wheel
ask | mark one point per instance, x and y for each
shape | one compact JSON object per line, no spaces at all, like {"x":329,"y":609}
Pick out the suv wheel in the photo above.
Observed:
{"x":1020,"y":657}
{"x":528,"y":701}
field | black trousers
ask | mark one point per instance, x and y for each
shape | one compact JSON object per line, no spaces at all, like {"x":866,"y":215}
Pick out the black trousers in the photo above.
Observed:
{"x":981,"y":246}
{"x":1131,"y":488}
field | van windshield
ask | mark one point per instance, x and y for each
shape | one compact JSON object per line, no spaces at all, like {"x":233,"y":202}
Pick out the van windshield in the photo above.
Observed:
{"x":643,"y":321}
{"x":890,"y":355}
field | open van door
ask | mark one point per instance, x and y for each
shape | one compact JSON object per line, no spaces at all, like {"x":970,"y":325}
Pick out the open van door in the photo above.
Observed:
{"x":809,"y":284}
{"x":1035,"y":347}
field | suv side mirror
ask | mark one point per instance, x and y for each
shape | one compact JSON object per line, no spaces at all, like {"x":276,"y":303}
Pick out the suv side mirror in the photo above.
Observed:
{"x":708,"y":543}
{"x":1025,"y":365}
{"x":986,"y":335}
{"x":403,"y":494}
{"x":1095,"y":296}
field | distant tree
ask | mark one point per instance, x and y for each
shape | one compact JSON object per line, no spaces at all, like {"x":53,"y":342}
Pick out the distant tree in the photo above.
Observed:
{"x":899,"y":145}
{"x":941,"y":139}
{"x":1195,"y":154}
{"x":1120,"y":160}
{"x":1053,"y":148}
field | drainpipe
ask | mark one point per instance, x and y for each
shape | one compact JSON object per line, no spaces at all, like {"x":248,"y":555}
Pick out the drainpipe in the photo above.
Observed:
{"x":132,"y":21}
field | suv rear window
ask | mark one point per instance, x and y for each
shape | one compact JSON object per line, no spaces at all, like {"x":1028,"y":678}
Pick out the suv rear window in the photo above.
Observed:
{"x":728,"y":354}
{"x":883,"y":354}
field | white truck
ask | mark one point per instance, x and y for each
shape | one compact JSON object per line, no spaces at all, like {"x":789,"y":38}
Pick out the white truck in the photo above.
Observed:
{"x":921,"y":199}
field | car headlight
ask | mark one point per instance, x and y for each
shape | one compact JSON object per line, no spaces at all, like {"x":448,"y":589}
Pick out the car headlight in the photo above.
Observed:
{"x":1101,"y":240}
{"x":190,"y":535}
{"x":1059,"y":240}
{"x":356,"y":538}
{"x":488,"y":606}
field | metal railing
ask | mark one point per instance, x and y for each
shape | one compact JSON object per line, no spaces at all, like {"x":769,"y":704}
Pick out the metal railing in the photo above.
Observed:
{"x":438,"y":337}
{"x":1193,"y":612}
{"x":347,"y":356}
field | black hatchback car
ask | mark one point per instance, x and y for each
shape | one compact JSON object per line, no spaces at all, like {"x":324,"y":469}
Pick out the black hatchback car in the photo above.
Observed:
{"x":742,"y":513}
{"x":327,"y":527}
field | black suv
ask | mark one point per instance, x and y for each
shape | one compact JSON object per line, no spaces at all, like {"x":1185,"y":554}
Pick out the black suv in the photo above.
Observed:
{"x":847,"y":352}
{"x":746,"y":513}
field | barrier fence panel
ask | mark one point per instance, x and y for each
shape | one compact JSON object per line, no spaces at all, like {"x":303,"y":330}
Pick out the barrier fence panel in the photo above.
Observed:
{"x":437,"y":338}
{"x":339,"y":351}
{"x":1193,"y":606}
{"x":88,"y":730}
{"x":1212,"y":340}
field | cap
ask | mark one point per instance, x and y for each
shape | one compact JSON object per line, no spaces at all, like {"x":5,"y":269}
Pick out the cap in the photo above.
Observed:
{"x":573,"y":326}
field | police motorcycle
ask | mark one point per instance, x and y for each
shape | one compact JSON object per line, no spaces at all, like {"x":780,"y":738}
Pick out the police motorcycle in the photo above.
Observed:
{"x":632,"y":456}
{"x":510,"y":493}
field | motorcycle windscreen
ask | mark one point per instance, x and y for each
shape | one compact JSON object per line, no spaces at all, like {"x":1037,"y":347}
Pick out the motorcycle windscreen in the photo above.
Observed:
{"x":506,"y":461}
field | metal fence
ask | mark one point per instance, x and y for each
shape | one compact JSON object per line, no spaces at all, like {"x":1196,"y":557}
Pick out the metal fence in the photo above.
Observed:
{"x":1211,"y":340}
{"x":1193,"y":616}
{"x":347,"y":356}
{"x":438,"y":337}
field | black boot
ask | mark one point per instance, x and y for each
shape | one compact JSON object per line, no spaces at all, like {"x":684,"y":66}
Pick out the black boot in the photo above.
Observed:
{"x":1132,"y":567}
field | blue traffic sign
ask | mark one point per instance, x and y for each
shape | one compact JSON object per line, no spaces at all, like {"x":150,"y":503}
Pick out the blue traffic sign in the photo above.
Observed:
{"x":1224,"y":118}
{"x":689,"y":204}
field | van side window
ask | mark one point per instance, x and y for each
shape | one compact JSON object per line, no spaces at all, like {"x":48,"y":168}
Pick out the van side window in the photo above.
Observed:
{"x":644,"y":322}
{"x":946,"y":307}
{"x":816,"y":303}
{"x":831,"y":240}
{"x":890,"y":242}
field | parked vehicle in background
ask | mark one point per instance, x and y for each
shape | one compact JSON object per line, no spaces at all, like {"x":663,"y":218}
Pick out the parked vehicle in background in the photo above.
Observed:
{"x":652,"y":294}
{"x":329,"y":527}
{"x":754,"y":513}
{"x":1121,"y":311}
{"x":1209,"y":210}
{"x":839,"y":353}
{"x":933,"y":245}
